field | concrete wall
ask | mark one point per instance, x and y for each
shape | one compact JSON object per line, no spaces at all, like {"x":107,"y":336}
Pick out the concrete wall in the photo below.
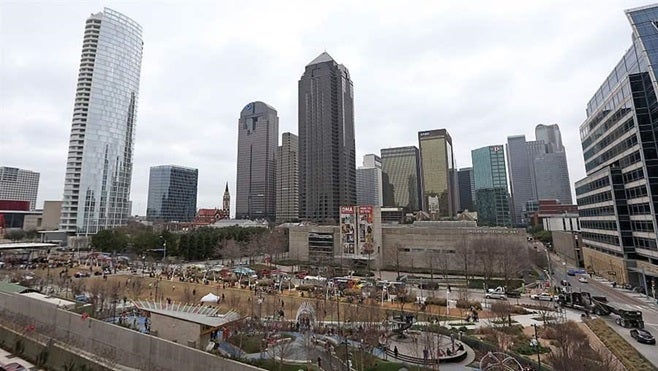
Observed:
{"x":565,"y":245}
{"x":176,"y":330}
{"x":114,"y":343}
{"x":446,"y":248}
{"x":610,"y":267}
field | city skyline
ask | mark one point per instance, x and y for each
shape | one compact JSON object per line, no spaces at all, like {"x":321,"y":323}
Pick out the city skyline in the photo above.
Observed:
{"x":40,"y":137}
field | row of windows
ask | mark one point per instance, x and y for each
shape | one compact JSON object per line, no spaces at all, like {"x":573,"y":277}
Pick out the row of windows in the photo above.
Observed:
{"x":636,"y":192}
{"x":639,"y":209}
{"x":634,"y":175}
{"x":595,"y":198}
{"x":645,"y":243}
{"x":603,"y":238}
{"x":642,"y":225}
{"x":599,"y":183}
{"x":597,"y":211}
{"x":630,"y":159}
{"x":608,"y":225}
{"x":610,"y":138}
{"x":612,"y":152}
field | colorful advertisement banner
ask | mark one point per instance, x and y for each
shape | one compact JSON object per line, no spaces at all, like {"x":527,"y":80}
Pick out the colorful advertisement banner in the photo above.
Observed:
{"x":347,"y":229}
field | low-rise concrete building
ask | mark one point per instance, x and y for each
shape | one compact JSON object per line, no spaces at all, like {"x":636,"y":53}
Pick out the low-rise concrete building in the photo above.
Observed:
{"x":442,"y":246}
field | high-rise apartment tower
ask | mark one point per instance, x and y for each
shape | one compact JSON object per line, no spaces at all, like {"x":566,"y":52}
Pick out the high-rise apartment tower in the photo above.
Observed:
{"x":100,"y":156}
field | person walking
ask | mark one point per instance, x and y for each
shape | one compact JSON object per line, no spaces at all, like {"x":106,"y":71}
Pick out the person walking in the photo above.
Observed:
{"x":395,"y":351}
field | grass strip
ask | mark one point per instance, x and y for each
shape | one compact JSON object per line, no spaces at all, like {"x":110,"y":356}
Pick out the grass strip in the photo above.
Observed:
{"x":629,"y":356}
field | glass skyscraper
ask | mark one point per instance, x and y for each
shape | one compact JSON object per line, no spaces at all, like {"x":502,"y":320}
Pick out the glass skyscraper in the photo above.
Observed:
{"x":490,"y":183}
{"x":258,"y":137}
{"x":466,"y":190}
{"x":401,"y":186}
{"x":172,"y":194}
{"x":99,"y":164}
{"x":438,"y":173}
{"x":618,"y":200}
{"x":327,"y":163}
{"x":369,"y":181}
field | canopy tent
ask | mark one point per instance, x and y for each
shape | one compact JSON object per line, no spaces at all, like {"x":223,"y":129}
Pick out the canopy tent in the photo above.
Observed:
{"x":210,"y":298}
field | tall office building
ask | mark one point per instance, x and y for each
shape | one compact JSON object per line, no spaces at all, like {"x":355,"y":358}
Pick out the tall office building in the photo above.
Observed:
{"x":327,"y":164}
{"x":100,"y":156}
{"x":618,"y":200}
{"x":401,"y":185}
{"x":19,"y":185}
{"x":538,"y":170}
{"x":369,"y":181}
{"x":438,"y":173}
{"x":258,"y":138}
{"x":287,"y":179}
{"x":490,"y":183}
{"x":466,"y":189}
{"x":550,"y":135}
{"x":172,"y":194}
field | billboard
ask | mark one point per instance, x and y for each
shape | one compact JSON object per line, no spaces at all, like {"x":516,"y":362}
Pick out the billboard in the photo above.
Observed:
{"x":366,"y":239}
{"x":347,"y":229}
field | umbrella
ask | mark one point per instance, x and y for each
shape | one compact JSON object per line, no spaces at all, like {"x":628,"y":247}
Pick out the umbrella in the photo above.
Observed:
{"x":210,"y":298}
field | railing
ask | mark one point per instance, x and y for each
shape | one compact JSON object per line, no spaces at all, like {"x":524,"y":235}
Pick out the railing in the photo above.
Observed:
{"x":457,"y":357}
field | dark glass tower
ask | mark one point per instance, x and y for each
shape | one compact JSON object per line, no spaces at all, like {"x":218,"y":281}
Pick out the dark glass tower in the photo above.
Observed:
{"x":618,"y":200}
{"x":401,"y":178}
{"x":258,"y":137}
{"x":490,"y":183}
{"x":466,"y":189}
{"x":172,"y":194}
{"x":327,"y":164}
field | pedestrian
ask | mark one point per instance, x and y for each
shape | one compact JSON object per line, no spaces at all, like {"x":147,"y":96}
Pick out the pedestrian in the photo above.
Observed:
{"x":395,"y":351}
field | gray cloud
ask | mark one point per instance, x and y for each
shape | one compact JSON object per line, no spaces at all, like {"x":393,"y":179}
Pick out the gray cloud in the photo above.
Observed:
{"x":483,"y":70}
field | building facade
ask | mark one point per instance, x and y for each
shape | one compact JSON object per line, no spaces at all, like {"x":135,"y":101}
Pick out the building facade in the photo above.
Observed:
{"x":401,"y":184}
{"x":369,"y":181}
{"x":618,"y":200}
{"x":172,"y":194}
{"x":490,"y":184}
{"x":100,"y":156}
{"x":438,"y":173}
{"x":287,"y":179}
{"x":258,"y":138}
{"x":327,"y":163}
{"x":466,"y":189}
{"x":19,"y":185}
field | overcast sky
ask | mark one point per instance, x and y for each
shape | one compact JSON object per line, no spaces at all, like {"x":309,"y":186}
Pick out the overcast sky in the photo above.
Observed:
{"x":484,"y":70}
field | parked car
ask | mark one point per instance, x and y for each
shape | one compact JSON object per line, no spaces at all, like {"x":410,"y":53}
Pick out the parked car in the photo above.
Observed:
{"x":513,"y":294}
{"x":81,"y":274}
{"x":582,"y":279}
{"x":643,"y":336}
{"x":496,"y":295}
{"x":544,"y":296}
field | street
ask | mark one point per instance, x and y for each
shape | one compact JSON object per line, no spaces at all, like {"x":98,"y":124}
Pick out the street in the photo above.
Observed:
{"x":600,"y":287}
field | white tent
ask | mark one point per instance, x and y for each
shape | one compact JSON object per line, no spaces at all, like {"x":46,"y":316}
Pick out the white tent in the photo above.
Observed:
{"x":210,"y":298}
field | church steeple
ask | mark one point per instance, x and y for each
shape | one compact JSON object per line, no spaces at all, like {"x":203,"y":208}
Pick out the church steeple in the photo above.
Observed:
{"x":226,"y":202}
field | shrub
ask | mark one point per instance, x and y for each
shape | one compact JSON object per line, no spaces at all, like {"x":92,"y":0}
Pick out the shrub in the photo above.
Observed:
{"x":465,"y":304}
{"x":436,"y":301}
{"x":304,"y":288}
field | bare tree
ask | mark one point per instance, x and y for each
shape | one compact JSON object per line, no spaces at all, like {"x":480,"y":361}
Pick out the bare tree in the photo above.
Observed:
{"x":502,"y":311}
{"x":573,"y":351}
{"x":137,"y":288}
{"x":279,"y":352}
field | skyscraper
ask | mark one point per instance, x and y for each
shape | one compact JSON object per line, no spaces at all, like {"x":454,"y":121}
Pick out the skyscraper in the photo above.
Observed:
{"x":466,"y":189}
{"x":618,"y":200}
{"x":327,"y":164}
{"x":550,"y":135}
{"x":538,"y":170}
{"x":401,"y":186}
{"x":99,"y":164}
{"x":172,"y":194}
{"x":287,"y":179}
{"x":490,"y":183}
{"x":551,"y":168}
{"x":369,"y":181}
{"x":258,"y":138}
{"x":19,"y":185}
{"x":438,"y":173}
